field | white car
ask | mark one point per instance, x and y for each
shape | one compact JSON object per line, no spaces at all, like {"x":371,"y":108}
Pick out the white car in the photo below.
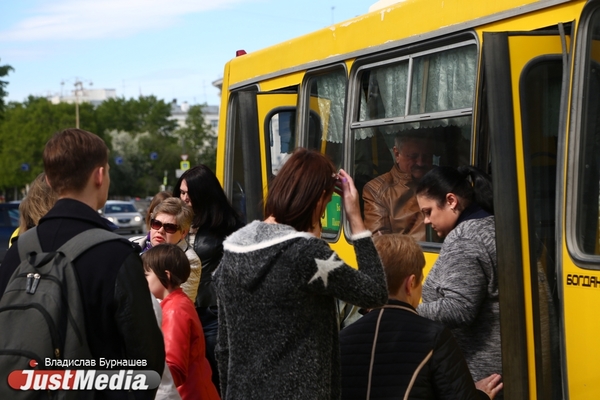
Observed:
{"x":124,"y":215}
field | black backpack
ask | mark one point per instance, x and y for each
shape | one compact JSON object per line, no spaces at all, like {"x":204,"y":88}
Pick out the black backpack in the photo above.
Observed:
{"x":41,"y":312}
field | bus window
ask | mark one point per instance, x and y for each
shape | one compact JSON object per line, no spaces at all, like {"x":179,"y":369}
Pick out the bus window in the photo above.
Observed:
{"x":413,"y":112}
{"x":325,"y":132}
{"x":587,"y":229}
{"x":282,"y":135}
{"x":443,"y":81}
{"x":540,"y":88}
{"x":384,"y":92}
{"x":540,"y":93}
{"x":327,"y":100}
{"x":281,"y":138}
{"x":277,"y":120}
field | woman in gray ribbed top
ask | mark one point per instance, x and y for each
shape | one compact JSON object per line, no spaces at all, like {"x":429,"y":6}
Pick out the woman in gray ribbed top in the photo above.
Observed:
{"x":462,"y":288}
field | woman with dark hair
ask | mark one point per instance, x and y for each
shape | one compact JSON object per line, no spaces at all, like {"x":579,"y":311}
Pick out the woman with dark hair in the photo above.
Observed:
{"x":214,"y":219}
{"x":278,"y":283}
{"x":461,"y":290}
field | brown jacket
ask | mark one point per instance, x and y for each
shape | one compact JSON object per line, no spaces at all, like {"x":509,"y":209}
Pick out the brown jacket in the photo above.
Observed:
{"x":391,"y":205}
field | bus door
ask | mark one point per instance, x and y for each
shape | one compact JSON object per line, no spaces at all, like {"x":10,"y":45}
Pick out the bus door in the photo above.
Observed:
{"x":282,"y":131}
{"x":321,"y":123}
{"x":522,"y":104}
{"x":580,"y":243}
{"x":256,"y":146}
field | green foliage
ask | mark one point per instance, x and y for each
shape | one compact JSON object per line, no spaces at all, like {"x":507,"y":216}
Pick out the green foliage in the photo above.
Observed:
{"x":25,"y":130}
{"x":138,"y":174}
{"x":4,"y":70}
{"x":198,"y":139}
{"x":132,"y":128}
{"x":145,"y":114}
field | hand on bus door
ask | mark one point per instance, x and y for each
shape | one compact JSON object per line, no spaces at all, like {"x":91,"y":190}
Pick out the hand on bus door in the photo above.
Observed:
{"x":345,"y":188}
{"x":490,"y":385}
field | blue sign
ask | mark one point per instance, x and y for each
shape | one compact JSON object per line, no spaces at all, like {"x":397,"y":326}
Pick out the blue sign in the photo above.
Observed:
{"x":153,"y":155}
{"x":24,"y":167}
{"x":119,"y":160}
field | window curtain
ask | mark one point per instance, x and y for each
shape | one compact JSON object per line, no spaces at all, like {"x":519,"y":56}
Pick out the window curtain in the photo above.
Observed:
{"x":331,"y":89}
{"x":440,"y":82}
{"x":444,"y":81}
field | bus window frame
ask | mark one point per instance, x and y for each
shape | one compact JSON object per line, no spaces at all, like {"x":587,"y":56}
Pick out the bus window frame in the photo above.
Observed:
{"x":235,"y":112}
{"x":232,"y":113}
{"x":437,"y":45}
{"x":526,"y":138}
{"x":575,"y":132}
{"x":267,"y":131}
{"x":408,"y":116}
{"x":304,"y":101}
{"x":302,"y":127}
{"x":267,"y":127}
{"x":532,"y":238}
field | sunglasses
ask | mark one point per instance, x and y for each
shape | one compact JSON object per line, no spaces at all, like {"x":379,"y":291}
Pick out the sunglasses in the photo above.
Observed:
{"x":169,"y":228}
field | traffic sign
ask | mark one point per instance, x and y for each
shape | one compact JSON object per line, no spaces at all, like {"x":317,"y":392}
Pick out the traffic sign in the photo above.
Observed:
{"x":118,"y":160}
{"x":25,"y":167}
{"x":153,"y":155}
{"x":184,"y":165}
{"x":184,"y":157}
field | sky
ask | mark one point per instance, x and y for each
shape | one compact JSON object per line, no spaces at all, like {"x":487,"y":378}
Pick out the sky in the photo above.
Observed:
{"x":173,"y":49}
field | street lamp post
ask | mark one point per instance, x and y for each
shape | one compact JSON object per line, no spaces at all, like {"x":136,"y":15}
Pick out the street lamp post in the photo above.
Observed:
{"x":78,"y":87}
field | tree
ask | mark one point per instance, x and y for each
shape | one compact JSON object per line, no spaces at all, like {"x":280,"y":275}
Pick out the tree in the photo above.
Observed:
{"x":24,"y":132}
{"x":135,"y":129}
{"x":4,"y":70}
{"x":145,"y":114}
{"x":198,"y":139}
{"x":137,"y":173}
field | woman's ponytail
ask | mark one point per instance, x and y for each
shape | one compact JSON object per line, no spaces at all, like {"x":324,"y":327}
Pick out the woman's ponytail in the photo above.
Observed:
{"x":467,"y":182}
{"x":482,"y":187}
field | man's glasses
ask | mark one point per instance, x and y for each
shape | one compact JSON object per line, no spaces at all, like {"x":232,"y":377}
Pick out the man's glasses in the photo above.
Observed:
{"x":169,"y":228}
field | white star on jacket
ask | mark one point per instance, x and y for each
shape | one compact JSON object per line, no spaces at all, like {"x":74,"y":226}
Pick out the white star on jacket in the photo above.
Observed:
{"x":324,"y":267}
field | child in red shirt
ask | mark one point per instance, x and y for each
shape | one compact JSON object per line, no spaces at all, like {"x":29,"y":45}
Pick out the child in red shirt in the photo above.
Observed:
{"x":166,"y":267}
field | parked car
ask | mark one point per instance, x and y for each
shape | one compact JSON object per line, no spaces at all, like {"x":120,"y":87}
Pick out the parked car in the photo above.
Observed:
{"x":9,"y":221}
{"x":124,"y":215}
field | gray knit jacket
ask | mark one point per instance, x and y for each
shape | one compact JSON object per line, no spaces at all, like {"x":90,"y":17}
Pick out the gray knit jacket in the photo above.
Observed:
{"x":278,"y":335}
{"x":462,"y":292}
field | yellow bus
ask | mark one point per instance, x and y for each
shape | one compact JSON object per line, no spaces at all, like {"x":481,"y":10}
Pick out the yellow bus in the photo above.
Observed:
{"x":510,"y":86}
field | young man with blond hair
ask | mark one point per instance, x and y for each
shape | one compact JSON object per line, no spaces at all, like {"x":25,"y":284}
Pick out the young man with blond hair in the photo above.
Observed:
{"x":392,"y":352}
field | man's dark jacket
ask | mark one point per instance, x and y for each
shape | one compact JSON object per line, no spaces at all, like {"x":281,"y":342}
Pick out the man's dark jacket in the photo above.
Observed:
{"x":405,"y":341}
{"x":119,"y":318}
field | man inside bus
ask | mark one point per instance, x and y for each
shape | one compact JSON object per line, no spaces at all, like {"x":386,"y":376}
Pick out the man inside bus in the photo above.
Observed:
{"x":390,"y":204}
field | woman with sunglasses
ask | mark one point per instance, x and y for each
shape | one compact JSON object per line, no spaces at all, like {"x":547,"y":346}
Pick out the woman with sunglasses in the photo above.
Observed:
{"x":170,"y":223}
{"x":278,"y":283}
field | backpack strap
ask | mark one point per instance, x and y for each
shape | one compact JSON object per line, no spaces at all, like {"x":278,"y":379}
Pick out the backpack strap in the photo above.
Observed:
{"x":86,"y":240}
{"x":372,"y":362}
{"x":29,"y":242}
